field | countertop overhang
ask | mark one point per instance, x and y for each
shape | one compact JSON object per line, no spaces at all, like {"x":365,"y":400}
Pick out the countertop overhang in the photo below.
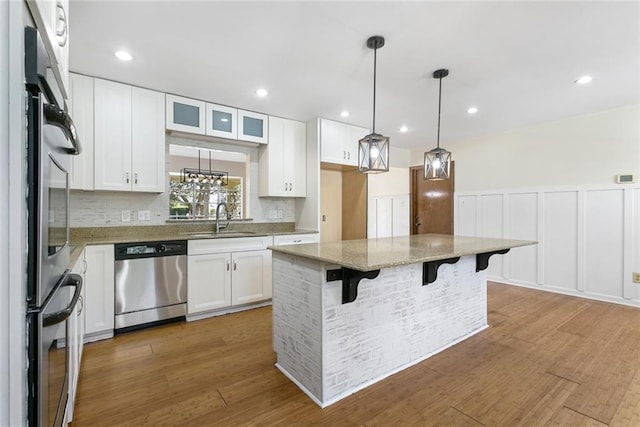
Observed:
{"x":374,"y":254}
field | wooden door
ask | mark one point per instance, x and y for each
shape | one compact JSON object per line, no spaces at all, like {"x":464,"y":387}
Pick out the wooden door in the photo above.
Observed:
{"x":431,"y":203}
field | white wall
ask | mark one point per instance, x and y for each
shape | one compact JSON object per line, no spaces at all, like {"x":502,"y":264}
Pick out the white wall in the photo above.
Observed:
{"x":553,"y":182}
{"x":582,"y":150}
{"x":588,"y":238}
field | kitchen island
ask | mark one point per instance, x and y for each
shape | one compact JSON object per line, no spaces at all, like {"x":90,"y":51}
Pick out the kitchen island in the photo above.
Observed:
{"x":348,"y":314}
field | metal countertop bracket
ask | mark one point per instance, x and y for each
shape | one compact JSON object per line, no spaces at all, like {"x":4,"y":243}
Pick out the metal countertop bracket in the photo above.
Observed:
{"x":350,"y":281}
{"x":430,"y":269}
{"x":482,"y":260}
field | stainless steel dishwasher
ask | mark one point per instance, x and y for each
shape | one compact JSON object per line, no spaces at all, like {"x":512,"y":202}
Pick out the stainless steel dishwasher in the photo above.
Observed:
{"x":151,"y":282}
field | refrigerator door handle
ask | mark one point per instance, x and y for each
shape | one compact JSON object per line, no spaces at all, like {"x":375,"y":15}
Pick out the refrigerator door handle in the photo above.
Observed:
{"x":74,"y":280}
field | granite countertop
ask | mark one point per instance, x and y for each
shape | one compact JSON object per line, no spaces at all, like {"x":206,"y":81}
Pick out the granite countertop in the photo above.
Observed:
{"x":82,"y":236}
{"x":373,"y":254}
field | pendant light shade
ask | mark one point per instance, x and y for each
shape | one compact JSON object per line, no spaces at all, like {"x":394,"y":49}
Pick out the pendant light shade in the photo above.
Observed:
{"x":437,"y":162}
{"x":373,"y":149}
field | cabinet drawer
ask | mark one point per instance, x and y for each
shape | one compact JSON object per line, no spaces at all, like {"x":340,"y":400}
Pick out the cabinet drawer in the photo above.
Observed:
{"x":291,"y":239}
{"x":236,"y":244}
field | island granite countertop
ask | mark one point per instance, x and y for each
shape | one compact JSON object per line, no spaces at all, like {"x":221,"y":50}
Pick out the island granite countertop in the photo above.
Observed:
{"x":374,"y":254}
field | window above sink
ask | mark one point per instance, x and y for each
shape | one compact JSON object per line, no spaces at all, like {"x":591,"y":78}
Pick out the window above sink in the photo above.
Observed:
{"x":222,"y":178}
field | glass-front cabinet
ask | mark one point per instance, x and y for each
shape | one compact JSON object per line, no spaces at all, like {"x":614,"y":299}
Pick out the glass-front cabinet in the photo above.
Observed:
{"x":185,"y":114}
{"x":253,"y":127}
{"x":222,"y":121}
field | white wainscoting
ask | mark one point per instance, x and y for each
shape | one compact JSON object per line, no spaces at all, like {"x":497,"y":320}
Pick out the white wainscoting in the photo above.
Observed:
{"x":388,"y":216}
{"x":588,"y":238}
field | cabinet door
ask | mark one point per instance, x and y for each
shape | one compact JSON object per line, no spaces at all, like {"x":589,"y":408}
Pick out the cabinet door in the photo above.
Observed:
{"x":112,"y":136}
{"x":251,"y":276}
{"x":353,"y":135}
{"x":253,"y":127}
{"x":81,"y":107}
{"x":99,"y":286}
{"x":295,"y":158}
{"x":332,"y":135}
{"x":271,"y":167}
{"x":209,"y":282}
{"x":222,"y":121}
{"x":185,"y":115}
{"x":147,"y":141}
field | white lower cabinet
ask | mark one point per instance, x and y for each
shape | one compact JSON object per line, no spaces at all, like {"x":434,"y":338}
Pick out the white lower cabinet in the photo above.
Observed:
{"x":99,"y":292}
{"x":209,"y":282}
{"x":228,"y":272}
{"x":76,"y":337}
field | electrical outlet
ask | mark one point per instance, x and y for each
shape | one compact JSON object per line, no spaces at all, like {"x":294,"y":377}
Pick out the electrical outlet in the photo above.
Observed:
{"x":636,"y":277}
{"x":273,"y":214}
{"x":125,"y":216}
{"x":144,"y":216}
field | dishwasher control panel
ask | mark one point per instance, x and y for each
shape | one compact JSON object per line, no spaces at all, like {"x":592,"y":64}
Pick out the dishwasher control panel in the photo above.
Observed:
{"x":150,"y":249}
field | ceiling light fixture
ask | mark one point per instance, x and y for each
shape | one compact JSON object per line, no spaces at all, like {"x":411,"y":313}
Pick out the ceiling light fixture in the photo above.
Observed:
{"x":262,"y":92}
{"x":344,"y":114}
{"x":472,"y":110}
{"x":404,"y":129}
{"x":123,"y":55}
{"x":437,"y":161}
{"x":583,"y":80}
{"x":373,"y":152}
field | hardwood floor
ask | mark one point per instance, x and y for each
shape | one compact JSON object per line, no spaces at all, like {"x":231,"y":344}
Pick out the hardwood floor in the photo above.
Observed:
{"x":547,"y":359}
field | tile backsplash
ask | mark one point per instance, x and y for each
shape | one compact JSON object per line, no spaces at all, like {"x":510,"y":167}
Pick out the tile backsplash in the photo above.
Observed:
{"x":104,"y":209}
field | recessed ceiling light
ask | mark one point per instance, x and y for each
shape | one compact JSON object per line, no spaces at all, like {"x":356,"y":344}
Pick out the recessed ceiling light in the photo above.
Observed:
{"x":344,"y":114}
{"x":583,"y":80}
{"x":224,"y":119}
{"x":262,"y":92}
{"x":472,"y":110}
{"x":404,"y":129}
{"x":123,"y":55}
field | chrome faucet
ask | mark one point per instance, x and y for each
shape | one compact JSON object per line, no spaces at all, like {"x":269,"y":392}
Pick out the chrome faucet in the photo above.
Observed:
{"x":218,"y":227}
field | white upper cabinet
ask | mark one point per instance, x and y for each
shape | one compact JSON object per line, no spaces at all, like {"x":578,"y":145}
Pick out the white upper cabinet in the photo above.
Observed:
{"x":282,"y":163}
{"x":222,"y":121}
{"x":186,"y":115}
{"x":339,"y":142}
{"x":52,"y":20}
{"x":129,"y":138}
{"x":253,"y":127}
{"x":81,"y":108}
{"x":147,"y":141}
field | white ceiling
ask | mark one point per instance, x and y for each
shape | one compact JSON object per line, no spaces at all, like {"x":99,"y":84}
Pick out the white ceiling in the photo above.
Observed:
{"x":515,"y":61}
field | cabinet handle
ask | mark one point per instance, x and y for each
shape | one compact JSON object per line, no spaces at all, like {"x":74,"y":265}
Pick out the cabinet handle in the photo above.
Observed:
{"x":126,"y":176}
{"x":235,"y":267}
{"x":85,"y":266}
{"x":348,"y":155}
{"x":81,"y":305}
{"x":61,"y":33}
{"x":285,"y":186}
{"x":227,"y":265}
{"x":297,"y":241}
{"x":135,"y":178}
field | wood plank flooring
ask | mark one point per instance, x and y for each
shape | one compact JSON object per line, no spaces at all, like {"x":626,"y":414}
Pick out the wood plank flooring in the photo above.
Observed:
{"x":547,"y":359}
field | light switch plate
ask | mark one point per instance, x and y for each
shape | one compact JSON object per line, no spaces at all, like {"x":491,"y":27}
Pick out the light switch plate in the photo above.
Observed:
{"x":636,"y":277}
{"x":125,"y":216}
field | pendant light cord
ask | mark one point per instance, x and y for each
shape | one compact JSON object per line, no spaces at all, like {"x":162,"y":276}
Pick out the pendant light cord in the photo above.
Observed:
{"x":439,"y":109}
{"x":375,"y":51}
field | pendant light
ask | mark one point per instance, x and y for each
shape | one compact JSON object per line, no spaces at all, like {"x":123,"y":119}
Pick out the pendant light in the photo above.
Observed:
{"x":373,"y":152}
{"x":437,"y":161}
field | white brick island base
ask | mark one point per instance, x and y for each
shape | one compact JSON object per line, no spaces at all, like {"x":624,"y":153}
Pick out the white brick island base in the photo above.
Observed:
{"x":331,"y":350}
